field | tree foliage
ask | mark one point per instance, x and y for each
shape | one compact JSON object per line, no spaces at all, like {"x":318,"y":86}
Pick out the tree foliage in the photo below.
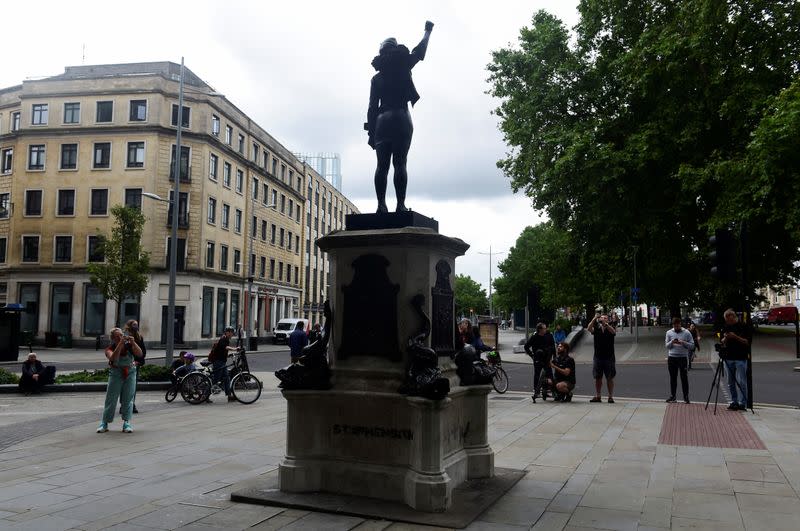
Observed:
{"x":125,"y":270}
{"x":469,"y":295}
{"x":657,"y":123}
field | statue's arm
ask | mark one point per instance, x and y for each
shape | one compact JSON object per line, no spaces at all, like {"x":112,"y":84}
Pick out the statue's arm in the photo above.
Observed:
{"x":372,"y":111}
{"x":418,"y":53}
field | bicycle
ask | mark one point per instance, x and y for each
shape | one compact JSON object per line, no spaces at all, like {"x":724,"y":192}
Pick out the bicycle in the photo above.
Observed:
{"x":500,"y":379}
{"x":196,"y":387}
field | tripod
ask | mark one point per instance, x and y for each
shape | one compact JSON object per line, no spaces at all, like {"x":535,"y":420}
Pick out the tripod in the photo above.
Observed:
{"x":715,"y":384}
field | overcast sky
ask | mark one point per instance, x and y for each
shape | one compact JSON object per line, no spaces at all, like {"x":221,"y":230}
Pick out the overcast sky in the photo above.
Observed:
{"x":301,"y":69}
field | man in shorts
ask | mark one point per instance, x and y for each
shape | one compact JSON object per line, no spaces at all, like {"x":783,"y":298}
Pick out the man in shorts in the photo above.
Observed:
{"x":604,"y":363}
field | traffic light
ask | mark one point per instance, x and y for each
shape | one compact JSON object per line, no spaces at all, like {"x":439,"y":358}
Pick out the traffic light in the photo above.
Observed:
{"x":723,"y":255}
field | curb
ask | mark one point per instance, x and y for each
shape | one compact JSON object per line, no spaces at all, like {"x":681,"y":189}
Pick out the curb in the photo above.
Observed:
{"x":78,"y":387}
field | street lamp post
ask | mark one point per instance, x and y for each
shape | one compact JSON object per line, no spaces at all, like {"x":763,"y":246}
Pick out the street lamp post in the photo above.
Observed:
{"x":490,"y":253}
{"x":635,"y":294}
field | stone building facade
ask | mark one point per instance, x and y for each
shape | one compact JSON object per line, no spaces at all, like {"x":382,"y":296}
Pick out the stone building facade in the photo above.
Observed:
{"x":74,"y":145}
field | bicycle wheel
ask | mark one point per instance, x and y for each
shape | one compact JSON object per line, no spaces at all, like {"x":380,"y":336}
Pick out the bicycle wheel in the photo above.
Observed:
{"x":172,"y":392}
{"x":246,"y":388}
{"x":500,"y":380}
{"x":196,"y":388}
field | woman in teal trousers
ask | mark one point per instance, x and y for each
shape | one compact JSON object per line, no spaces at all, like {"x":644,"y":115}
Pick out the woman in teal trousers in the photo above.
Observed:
{"x":121,"y":379}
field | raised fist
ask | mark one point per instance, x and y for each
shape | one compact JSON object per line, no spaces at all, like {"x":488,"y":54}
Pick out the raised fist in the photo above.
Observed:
{"x":428,"y":25}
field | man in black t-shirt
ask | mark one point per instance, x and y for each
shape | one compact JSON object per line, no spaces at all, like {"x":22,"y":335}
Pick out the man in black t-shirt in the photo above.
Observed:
{"x":219,"y":358}
{"x":604,"y":363}
{"x":736,"y":339}
{"x":540,"y":346}
{"x":563,"y":373}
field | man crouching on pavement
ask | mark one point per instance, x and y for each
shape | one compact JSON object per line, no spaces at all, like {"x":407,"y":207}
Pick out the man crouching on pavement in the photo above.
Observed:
{"x":563,"y":373}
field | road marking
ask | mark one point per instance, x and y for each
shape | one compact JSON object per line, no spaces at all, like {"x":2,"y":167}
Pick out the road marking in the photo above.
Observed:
{"x":629,"y":352}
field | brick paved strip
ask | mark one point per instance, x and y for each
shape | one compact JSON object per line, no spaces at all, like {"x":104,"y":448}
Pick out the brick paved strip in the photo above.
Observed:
{"x":692,"y":425}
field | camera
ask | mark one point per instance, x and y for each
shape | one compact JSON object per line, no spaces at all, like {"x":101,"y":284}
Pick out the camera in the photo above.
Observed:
{"x":721,"y":349}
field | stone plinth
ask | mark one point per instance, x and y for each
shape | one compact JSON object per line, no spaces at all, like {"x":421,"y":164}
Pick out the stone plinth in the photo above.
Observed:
{"x":363,"y":438}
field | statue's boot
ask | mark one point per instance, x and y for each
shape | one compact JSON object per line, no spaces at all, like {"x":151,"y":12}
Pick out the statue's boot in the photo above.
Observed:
{"x":382,"y":208}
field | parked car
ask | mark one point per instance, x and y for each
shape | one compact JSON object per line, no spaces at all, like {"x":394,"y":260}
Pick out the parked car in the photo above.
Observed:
{"x":782,"y":315}
{"x":760,"y":316}
{"x":280,"y":334}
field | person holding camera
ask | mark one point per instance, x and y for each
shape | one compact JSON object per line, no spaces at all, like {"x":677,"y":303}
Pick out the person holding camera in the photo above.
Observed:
{"x":541,"y":347}
{"x":680,"y":345}
{"x":563,"y":367}
{"x":604,"y":362}
{"x":121,"y":379}
{"x":132,"y":329}
{"x":735,"y":348}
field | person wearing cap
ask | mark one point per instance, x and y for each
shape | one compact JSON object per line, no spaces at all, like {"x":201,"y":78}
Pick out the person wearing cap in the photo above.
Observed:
{"x":187,"y":367}
{"x":219,"y":358}
{"x":35,"y":375}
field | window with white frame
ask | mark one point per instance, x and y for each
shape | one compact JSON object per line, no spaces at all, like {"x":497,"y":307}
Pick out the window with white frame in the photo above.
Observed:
{"x":213,"y":164}
{"x":225,"y":215}
{"x":39,"y":114}
{"x":63,"y":249}
{"x":105,"y":111}
{"x":30,"y":248}
{"x":94,"y":249}
{"x":15,"y":121}
{"x":135,"y":154}
{"x":69,"y":156}
{"x":239,"y":181}
{"x":72,"y":113}
{"x":102,"y":155}
{"x":5,"y":204}
{"x":98,"y":202}
{"x":223,"y":257}
{"x":215,"y":125}
{"x":65,"y":203}
{"x":7,"y":160}
{"x":36,"y":157}
{"x":138,"y":111}
{"x":33,"y":203}
{"x":237,"y":260}
{"x":212,"y":210}
{"x":210,"y":255}
{"x":228,"y":134}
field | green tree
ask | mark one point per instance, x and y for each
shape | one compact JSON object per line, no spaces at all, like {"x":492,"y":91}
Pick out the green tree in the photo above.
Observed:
{"x":632,"y":135}
{"x":125,"y":270}
{"x":469,"y":295}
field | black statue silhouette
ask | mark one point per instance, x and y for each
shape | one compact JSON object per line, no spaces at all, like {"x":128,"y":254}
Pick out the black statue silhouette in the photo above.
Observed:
{"x":388,"y":119}
{"x":423,"y":376}
{"x":312,"y":372}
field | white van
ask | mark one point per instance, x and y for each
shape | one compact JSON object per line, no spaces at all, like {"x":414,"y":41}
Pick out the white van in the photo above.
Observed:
{"x":280,"y":334}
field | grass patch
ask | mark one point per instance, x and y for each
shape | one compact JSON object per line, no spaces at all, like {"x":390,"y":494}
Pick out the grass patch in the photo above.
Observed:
{"x":7,"y":377}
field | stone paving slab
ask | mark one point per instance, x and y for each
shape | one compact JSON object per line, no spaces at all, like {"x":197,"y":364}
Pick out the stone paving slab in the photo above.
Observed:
{"x":587,"y":466}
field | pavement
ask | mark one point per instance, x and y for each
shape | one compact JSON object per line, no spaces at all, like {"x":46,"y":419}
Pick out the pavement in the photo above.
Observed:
{"x":588,"y":466}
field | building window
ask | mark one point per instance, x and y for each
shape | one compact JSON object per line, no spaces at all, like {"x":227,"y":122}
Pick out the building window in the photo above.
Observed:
{"x":7,"y":159}
{"x":275,"y":197}
{"x":133,"y":198}
{"x":210,"y":255}
{"x":15,"y":119}
{"x":283,"y":173}
{"x":94,"y":249}
{"x":272,"y":235}
{"x":184,"y":116}
{"x":5,"y":202}
{"x":185,"y":156}
{"x":69,"y":156}
{"x":99,"y":203}
{"x":180,"y":254}
{"x":297,"y":244}
{"x":265,"y":194}
{"x":138,"y":111}
{"x":183,"y":212}
{"x":253,"y":265}
{"x":241,"y":144}
{"x":254,"y":227}
{"x":94,"y":311}
{"x":102,"y":155}
{"x":63,"y":250}
{"x":215,"y":125}
{"x":208,"y":310}
{"x":266,"y":158}
{"x":222,"y":309}
{"x":283,"y":204}
{"x":33,"y":202}
{"x":255,"y":189}
{"x":272,"y":268}
{"x":263,"y":269}
{"x":281,"y":238}
{"x":136,"y":154}
{"x":291,"y":179}
{"x":291,"y":208}
{"x":30,"y":249}
{"x":223,"y":257}
{"x":274,"y":167}
{"x":213,"y":163}
{"x":239,"y":181}
{"x":237,"y":221}
{"x":296,"y":275}
{"x":237,"y":260}
{"x":39,"y":114}
{"x":3,"y":244}
{"x":280,"y":271}
{"x":72,"y":113}
{"x":212,"y":210}
{"x":66,"y":203}
{"x":289,"y":241}
{"x":288,"y":273}
{"x":36,"y":155}
{"x":225,"y":215}
{"x":256,"y":151}
{"x":105,"y":111}
{"x":263,"y":230}
{"x":226,"y":174}
{"x":228,"y":134}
